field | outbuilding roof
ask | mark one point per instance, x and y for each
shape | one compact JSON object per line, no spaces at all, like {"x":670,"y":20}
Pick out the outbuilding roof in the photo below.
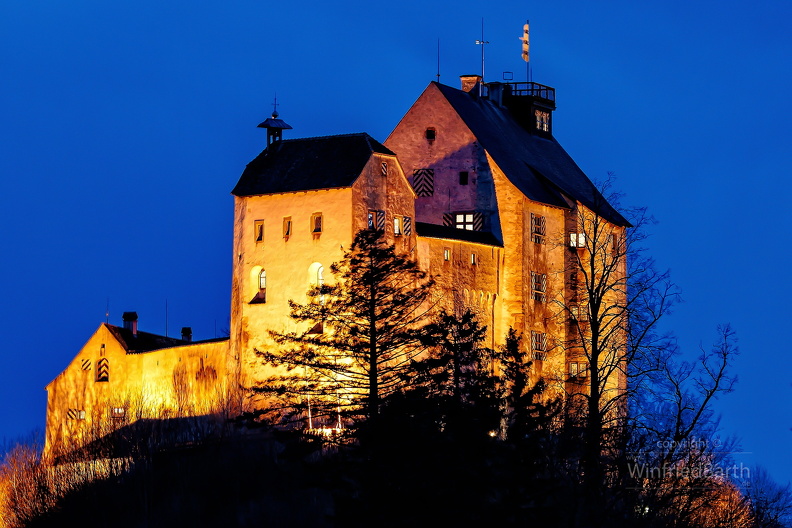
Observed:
{"x":305,"y":164}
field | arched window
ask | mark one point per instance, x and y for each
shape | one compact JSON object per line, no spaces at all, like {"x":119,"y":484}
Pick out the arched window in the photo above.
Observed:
{"x":258,"y":285}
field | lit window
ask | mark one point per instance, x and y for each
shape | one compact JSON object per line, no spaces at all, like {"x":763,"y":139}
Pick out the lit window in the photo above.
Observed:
{"x":103,"y":370}
{"x":539,"y":345}
{"x":372,"y":219}
{"x":258,"y":230}
{"x":76,"y":414}
{"x":287,"y":227}
{"x":397,"y":226}
{"x":578,"y":369}
{"x":538,"y":228}
{"x":473,"y":259}
{"x":447,"y":254}
{"x":261,"y":293}
{"x":316,"y":223}
{"x":118,"y":412}
{"x":542,"y":120}
{"x":384,"y":168}
{"x":431,"y":134}
{"x":539,"y":286}
{"x":577,"y":240}
{"x":463,"y":178}
{"x":263,"y":280}
{"x":464,"y":221}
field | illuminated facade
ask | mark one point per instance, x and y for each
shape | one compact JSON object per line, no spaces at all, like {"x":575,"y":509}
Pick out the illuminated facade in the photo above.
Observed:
{"x":471,"y":182}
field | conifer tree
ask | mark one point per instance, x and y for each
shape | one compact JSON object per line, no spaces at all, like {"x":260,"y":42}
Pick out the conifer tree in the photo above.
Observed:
{"x":361,"y":334}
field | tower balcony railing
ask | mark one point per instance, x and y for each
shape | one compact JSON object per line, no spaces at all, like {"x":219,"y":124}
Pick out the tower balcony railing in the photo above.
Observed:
{"x":531,"y":89}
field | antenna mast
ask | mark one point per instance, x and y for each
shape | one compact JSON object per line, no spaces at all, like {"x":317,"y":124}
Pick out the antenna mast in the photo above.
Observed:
{"x":481,"y":43}
{"x":438,"y":60}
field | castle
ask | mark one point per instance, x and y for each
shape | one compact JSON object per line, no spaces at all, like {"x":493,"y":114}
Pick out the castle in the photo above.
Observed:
{"x":471,"y":183}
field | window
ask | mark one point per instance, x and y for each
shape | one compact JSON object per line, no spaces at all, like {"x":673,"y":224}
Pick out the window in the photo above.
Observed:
{"x":258,"y":230}
{"x":473,"y":259}
{"x":431,"y":134}
{"x":117,"y":412}
{"x":463,"y":178}
{"x":539,"y":286}
{"x":578,"y":313}
{"x":76,"y":414}
{"x":287,"y":226}
{"x":468,"y":220}
{"x":423,"y":182}
{"x":539,"y":346}
{"x":372,"y":219}
{"x":261,"y":287}
{"x":384,"y":168}
{"x":538,"y":228}
{"x":316,"y":223}
{"x":397,"y":226}
{"x":542,"y":120}
{"x":103,"y":370}
{"x":578,"y":369}
{"x":447,"y":254}
{"x":577,"y":240}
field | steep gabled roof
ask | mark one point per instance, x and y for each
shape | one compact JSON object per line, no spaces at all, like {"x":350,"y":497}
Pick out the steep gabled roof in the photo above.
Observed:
{"x":305,"y":164}
{"x":538,"y":166}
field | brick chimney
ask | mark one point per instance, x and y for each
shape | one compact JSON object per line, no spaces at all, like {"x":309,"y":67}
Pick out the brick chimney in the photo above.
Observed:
{"x":130,"y":322}
{"x":469,"y":82}
{"x":186,"y":333}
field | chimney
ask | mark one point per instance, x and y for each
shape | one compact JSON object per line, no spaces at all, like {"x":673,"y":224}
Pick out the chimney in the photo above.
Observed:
{"x":469,"y":82}
{"x":186,"y":333}
{"x":130,"y":322}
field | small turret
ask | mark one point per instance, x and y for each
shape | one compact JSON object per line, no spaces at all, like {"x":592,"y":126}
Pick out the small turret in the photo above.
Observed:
{"x":274,"y":126}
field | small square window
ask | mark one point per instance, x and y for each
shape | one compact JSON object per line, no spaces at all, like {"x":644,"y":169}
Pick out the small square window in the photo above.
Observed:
{"x":447,"y":254}
{"x":578,"y":369}
{"x":316,"y":223}
{"x":577,"y":240}
{"x":287,"y":226}
{"x":431,"y":134}
{"x":258,"y":230}
{"x":463,"y":178}
{"x":118,"y":412}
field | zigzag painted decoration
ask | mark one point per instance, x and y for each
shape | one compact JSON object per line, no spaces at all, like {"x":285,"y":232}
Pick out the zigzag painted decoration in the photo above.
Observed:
{"x":103,"y":370}
{"x":423,"y":182}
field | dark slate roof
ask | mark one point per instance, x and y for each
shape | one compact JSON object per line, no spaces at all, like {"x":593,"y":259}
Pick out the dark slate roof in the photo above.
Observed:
{"x":309,"y":163}
{"x":146,"y":342}
{"x":538,"y":166}
{"x":452,"y":233}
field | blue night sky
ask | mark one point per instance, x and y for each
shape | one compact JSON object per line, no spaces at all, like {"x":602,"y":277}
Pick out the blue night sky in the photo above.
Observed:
{"x":126,"y":124}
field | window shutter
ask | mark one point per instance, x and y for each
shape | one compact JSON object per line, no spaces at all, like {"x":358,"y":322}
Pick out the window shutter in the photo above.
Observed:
{"x":478,"y":221}
{"x":381,"y":220}
{"x":407,"y":226}
{"x":423,"y":182}
{"x":448,"y":219}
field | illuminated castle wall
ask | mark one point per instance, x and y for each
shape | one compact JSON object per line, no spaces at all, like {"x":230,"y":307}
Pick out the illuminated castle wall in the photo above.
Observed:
{"x":471,"y":183}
